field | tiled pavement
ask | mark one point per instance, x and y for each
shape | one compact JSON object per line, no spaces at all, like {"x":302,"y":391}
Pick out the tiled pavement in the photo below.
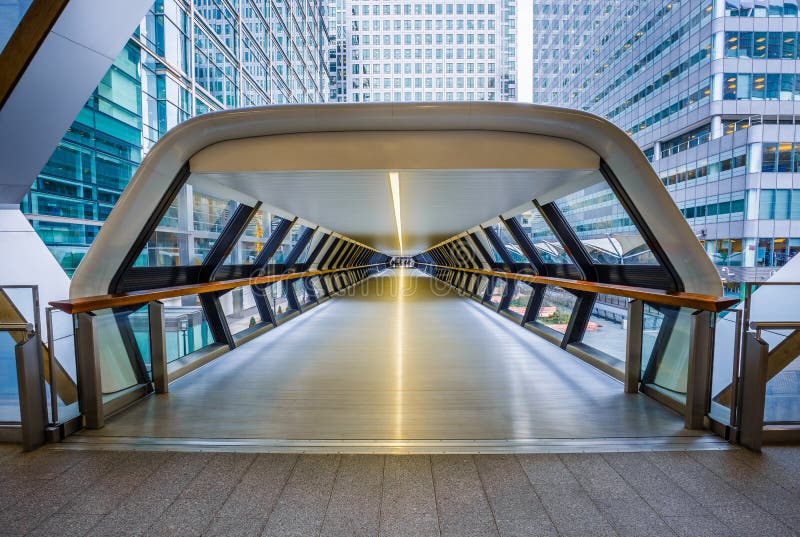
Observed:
{"x":100,"y":493}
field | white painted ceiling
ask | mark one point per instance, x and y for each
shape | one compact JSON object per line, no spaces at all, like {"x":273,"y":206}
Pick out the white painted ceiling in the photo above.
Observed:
{"x":435,"y":204}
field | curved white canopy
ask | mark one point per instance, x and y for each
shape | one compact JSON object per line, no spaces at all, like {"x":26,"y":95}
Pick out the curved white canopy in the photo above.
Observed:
{"x":459,"y":164}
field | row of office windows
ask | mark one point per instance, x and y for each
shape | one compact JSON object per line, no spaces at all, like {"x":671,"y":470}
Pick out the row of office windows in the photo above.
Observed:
{"x":420,"y":53}
{"x":775,"y":204}
{"x":761,"y":8}
{"x":409,"y":96}
{"x":703,"y":169}
{"x":732,"y":209}
{"x":762,"y":86}
{"x":426,"y":39}
{"x":429,"y":24}
{"x":762,"y":204}
{"x":429,"y":83}
{"x":654,"y":22}
{"x":772,"y":45}
{"x":752,"y":252}
{"x":666,"y":78}
{"x":695,"y":96}
{"x":438,"y":8}
{"x":780,"y":157}
{"x":672,"y":39}
{"x":419,"y":68}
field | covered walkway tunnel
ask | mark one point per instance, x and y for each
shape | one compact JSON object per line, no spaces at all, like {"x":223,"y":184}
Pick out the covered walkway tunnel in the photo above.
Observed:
{"x":491,"y":275}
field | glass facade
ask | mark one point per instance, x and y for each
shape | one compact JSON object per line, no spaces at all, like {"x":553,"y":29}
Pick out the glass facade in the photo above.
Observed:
{"x":419,"y":50}
{"x":185,"y":58}
{"x":707,"y":90}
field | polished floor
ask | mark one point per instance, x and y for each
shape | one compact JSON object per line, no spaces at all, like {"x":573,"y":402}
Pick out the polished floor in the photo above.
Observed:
{"x":131,"y":493}
{"x":398,"y":362}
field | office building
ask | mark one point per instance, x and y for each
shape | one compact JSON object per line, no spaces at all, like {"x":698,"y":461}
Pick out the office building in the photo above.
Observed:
{"x":708,"y":89}
{"x":420,"y":50}
{"x":185,"y":58}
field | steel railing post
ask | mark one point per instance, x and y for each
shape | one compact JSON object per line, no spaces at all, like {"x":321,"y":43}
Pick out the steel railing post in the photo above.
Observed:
{"x":32,"y":400}
{"x":633,"y":346}
{"x":90,"y":390}
{"x":753,"y":388}
{"x":158,"y":346}
{"x":701,"y":354}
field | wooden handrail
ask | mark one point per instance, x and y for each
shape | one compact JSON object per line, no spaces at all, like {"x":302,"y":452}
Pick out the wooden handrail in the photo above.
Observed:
{"x":659,"y":296}
{"x":101,"y":302}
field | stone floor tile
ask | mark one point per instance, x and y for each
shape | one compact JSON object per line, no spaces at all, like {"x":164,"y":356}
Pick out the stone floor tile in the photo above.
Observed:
{"x":185,"y":517}
{"x":517,"y":509}
{"x":549,"y":472}
{"x":255,"y":495}
{"x":172,"y":477}
{"x":698,"y":526}
{"x":218,"y":478}
{"x":702,"y":484}
{"x":301,"y":507}
{"x":355,"y":504}
{"x":633,"y":518}
{"x":751,"y":483}
{"x":66,"y":525}
{"x":235,"y":527}
{"x":654,"y":486}
{"x":130,"y":519}
{"x":597,"y":477}
{"x":460,"y":501}
{"x":746,"y":519}
{"x":574,"y":514}
{"x":408,"y":506}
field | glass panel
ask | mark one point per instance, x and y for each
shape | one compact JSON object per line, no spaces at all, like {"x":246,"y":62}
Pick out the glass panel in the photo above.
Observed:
{"x":511,"y":245}
{"x":722,"y":372}
{"x":556,"y":308}
{"x":482,"y":287}
{"x":665,"y":349}
{"x":119,"y":335}
{"x":239,"y":307}
{"x":300,"y":291}
{"x":312,"y":244}
{"x":11,"y":14}
{"x":318,"y":290}
{"x":604,"y":227}
{"x":520,"y":298}
{"x":782,"y":402}
{"x":497,"y":292}
{"x":186,"y":329}
{"x":252,"y":240}
{"x":278,"y":300}
{"x":542,"y":237}
{"x":9,"y":391}
{"x":606,"y":330}
{"x":171,"y":246}
{"x":66,"y":374}
{"x":288,"y":244}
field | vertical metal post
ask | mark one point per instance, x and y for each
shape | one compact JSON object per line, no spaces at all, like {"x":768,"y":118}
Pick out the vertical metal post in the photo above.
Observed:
{"x":633,"y":346}
{"x":51,"y":352}
{"x":701,"y":353}
{"x":32,"y":401}
{"x":158,"y":346}
{"x":753,"y":389}
{"x":90,"y":390}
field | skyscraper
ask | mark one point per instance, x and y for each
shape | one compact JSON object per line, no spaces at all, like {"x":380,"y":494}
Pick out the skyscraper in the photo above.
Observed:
{"x":184,"y":59}
{"x":420,"y":50}
{"x":709,"y":91}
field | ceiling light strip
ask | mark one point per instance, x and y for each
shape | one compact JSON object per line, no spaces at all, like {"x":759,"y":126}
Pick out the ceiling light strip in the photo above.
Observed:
{"x":394,"y":183}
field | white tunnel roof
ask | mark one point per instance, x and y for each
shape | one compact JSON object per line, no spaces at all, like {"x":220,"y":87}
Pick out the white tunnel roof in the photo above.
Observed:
{"x":459,"y":164}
